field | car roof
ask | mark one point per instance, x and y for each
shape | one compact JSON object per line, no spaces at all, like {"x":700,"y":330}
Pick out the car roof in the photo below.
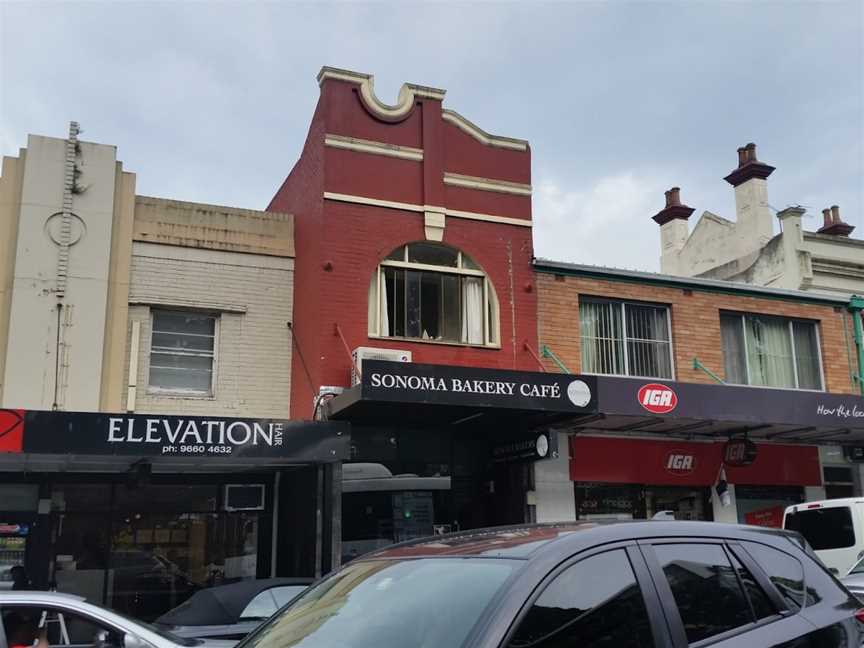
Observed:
{"x":530,"y":540}
{"x":826,"y":503}
{"x":38,"y":595}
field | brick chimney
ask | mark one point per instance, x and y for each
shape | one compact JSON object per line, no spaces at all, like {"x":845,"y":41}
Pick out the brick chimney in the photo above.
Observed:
{"x":755,"y":222}
{"x":674,"y":231}
{"x":833,"y":225}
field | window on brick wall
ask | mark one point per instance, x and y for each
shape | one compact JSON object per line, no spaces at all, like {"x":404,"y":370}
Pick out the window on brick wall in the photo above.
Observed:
{"x":768,"y":351}
{"x":625,"y":338}
{"x":182,"y":352}
{"x":432,"y":292}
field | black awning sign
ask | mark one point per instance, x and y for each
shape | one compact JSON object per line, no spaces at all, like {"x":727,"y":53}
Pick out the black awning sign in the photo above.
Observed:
{"x":477,"y":387}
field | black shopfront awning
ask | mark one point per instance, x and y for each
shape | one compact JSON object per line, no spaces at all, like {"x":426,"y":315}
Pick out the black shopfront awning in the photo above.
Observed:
{"x":394,"y":393}
{"x":102,"y":442}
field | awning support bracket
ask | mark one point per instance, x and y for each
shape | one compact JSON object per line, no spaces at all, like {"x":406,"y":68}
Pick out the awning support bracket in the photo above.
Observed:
{"x":546,"y":352}
{"x":700,"y":367}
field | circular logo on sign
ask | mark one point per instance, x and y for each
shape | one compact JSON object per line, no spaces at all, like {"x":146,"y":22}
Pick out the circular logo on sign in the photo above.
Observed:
{"x":542,"y":445}
{"x":739,"y":452}
{"x":657,"y":398}
{"x":579,"y":393}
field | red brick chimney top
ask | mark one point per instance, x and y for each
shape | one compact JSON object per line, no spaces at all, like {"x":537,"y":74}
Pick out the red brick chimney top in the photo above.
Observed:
{"x":833,"y":225}
{"x":674,"y":209}
{"x":749,"y":167}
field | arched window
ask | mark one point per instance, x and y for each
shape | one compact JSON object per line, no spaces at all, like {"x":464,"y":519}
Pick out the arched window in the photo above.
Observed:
{"x":432,"y":292}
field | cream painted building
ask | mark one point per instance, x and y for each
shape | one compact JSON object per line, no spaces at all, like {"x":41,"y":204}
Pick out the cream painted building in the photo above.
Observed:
{"x":748,"y":249}
{"x":110,"y":301}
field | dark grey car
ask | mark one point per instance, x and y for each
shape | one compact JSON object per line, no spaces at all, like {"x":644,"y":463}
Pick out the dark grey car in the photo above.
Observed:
{"x":578,"y":585}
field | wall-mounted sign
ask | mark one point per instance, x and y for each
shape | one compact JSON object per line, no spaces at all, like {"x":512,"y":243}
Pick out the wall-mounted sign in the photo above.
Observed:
{"x":477,"y":387}
{"x":657,"y":398}
{"x":150,"y":435}
{"x":739,"y":452}
{"x":680,"y":462}
{"x":530,"y":447}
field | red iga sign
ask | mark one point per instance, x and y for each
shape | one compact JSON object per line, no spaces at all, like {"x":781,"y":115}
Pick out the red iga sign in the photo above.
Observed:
{"x":617,"y":460}
{"x":657,"y":398}
{"x":11,"y":430}
{"x":680,"y":462}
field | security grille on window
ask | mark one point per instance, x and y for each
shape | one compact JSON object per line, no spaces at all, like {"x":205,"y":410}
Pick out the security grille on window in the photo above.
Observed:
{"x":182,"y":352}
{"x":768,"y":351}
{"x":625,"y":338}
{"x":432,"y":292}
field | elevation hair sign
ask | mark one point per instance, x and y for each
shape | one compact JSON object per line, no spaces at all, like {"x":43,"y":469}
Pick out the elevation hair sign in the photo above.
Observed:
{"x":149,"y":435}
{"x":478,"y":387}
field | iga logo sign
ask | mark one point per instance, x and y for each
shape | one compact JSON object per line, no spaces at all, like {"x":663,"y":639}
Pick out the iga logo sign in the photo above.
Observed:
{"x":680,"y":462}
{"x":657,"y":398}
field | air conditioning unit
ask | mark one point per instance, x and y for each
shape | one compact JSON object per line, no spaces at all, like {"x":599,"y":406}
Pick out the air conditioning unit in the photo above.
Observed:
{"x":371,"y":353}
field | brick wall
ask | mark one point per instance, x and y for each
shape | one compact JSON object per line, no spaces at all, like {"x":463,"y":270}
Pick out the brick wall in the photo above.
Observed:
{"x":695,"y":318}
{"x":252,"y":293}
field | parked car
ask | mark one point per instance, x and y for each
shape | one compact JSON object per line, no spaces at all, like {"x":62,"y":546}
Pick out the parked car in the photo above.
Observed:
{"x":231,"y":611}
{"x":834,"y":529}
{"x":622,"y":585}
{"x":71,"y":621}
{"x":854,"y":580}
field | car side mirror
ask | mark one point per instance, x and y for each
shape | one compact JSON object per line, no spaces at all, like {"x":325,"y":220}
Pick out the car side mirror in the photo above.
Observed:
{"x":134,"y":641}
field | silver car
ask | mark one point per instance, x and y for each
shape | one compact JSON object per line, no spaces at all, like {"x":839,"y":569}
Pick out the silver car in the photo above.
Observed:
{"x":71,"y":622}
{"x":854,"y":580}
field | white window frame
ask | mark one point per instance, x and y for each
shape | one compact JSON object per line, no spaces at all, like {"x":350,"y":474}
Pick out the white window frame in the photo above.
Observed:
{"x":210,"y":393}
{"x":491,"y":328}
{"x":623,"y":304}
{"x":790,"y":321}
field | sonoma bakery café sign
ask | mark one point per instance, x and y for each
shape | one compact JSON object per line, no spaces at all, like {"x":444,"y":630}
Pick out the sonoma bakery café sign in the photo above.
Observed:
{"x":477,"y":387}
{"x":183,"y":436}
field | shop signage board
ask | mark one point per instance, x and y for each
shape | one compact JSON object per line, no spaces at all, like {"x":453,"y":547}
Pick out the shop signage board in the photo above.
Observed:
{"x":527,"y":447}
{"x":406,"y":382}
{"x":634,"y":397}
{"x":151,"y":435}
{"x":739,"y":452}
{"x":11,"y":430}
{"x":687,"y":463}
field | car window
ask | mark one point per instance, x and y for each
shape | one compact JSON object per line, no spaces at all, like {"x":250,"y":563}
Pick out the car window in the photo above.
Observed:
{"x":823,"y":528}
{"x":22,"y":625}
{"x":596,"y":602}
{"x":785,"y":572}
{"x":286,"y":593}
{"x":706,"y":590}
{"x":762,"y":606}
{"x":261,"y":607}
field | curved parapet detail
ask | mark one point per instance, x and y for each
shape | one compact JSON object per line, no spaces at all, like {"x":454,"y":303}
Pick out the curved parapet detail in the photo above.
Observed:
{"x":377,"y":108}
{"x":482,"y":136}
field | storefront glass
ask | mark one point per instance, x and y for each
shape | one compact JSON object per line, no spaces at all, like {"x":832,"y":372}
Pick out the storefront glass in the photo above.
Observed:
{"x":634,"y":501}
{"x":764,"y":505}
{"x":143,"y":550}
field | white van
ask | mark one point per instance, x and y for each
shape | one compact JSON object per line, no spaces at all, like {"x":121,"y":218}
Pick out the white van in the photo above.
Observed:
{"x":834,"y":528}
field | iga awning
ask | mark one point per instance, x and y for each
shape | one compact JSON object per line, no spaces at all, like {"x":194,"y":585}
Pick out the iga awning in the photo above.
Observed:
{"x":40,"y":440}
{"x":708,"y":410}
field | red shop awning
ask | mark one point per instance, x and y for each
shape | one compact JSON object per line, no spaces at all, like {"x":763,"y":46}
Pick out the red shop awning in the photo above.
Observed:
{"x":684,"y":463}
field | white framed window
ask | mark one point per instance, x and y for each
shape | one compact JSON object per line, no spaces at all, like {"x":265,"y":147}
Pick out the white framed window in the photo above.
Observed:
{"x":182,"y":352}
{"x":770,"y":351}
{"x":625,"y":338}
{"x":432,"y":292}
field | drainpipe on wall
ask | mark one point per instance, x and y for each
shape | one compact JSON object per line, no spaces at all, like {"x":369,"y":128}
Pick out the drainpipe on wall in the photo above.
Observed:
{"x":856,"y":307}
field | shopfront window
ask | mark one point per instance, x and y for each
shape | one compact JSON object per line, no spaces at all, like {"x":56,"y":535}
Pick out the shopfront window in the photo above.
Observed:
{"x":768,"y":351}
{"x":148,"y":549}
{"x":432,"y":292}
{"x":624,"y":338}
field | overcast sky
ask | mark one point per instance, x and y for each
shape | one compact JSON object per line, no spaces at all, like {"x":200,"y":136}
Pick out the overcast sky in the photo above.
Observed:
{"x":210,"y":102}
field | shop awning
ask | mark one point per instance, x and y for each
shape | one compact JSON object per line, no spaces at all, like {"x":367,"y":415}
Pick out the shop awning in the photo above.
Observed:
{"x":401,"y":393}
{"x":394,"y":393}
{"x":103,"y":442}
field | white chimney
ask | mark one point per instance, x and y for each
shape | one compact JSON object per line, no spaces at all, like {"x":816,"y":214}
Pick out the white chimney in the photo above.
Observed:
{"x":755,"y":222}
{"x":674,"y":230}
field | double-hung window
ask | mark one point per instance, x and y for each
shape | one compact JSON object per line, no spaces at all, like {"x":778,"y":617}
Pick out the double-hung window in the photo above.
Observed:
{"x":432,"y":292}
{"x":625,"y":338}
{"x":769,"y":351}
{"x":182,"y":352}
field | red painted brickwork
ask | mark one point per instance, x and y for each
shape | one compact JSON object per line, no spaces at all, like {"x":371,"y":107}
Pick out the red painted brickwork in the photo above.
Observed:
{"x":695,"y":324}
{"x":351,"y":239}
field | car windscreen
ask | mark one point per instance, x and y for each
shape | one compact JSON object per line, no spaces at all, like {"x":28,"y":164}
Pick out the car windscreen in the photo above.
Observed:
{"x":823,"y":528}
{"x":390,"y":604}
